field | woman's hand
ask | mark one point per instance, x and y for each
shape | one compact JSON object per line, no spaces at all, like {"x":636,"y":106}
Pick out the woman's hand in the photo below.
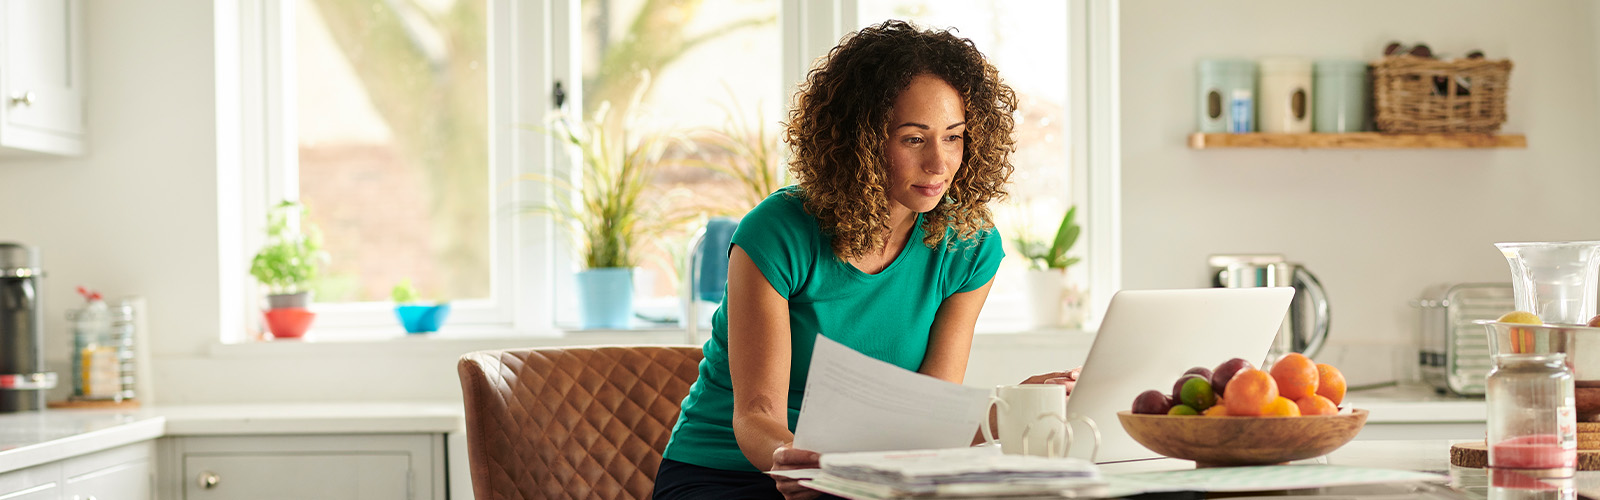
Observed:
{"x":789,"y":457}
{"x":1067,"y":378}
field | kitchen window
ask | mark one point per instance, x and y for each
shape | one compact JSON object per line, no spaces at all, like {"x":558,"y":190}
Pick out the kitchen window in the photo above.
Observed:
{"x":409,"y":128}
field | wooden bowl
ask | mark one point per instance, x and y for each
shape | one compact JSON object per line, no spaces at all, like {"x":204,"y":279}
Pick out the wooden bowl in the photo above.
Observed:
{"x":1229,"y":441}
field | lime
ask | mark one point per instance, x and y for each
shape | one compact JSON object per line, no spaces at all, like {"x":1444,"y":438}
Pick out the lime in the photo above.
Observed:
{"x":1182,"y":410}
{"x":1197,"y":394}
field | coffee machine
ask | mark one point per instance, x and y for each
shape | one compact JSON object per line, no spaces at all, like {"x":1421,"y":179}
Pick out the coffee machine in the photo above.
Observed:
{"x":23,"y":381}
{"x":1305,"y":328}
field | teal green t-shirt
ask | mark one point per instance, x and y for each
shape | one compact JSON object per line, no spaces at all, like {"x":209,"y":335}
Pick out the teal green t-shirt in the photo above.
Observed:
{"x":885,"y":315}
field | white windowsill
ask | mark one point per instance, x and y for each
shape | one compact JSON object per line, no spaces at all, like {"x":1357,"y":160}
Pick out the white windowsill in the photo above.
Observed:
{"x":463,"y":341}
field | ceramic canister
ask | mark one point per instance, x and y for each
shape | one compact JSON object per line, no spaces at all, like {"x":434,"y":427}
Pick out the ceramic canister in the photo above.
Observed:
{"x":1222,"y":86}
{"x":1341,"y":89}
{"x":1286,"y":95}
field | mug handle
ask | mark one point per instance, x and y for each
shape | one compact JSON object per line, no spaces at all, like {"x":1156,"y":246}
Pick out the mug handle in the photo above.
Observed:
{"x":1094,"y":430}
{"x":983,"y":423}
{"x":1051,"y":438}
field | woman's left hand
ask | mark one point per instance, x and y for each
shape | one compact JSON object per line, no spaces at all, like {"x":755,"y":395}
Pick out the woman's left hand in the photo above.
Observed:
{"x":1067,"y":378}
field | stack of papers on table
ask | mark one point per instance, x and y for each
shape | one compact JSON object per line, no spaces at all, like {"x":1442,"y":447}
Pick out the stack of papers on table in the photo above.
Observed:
{"x":956,"y":472}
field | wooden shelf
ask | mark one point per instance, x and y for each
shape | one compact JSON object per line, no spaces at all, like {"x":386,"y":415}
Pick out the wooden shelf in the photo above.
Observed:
{"x":1357,"y":140}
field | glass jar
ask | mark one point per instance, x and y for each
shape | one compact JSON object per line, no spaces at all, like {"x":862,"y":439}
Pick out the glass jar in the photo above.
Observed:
{"x":1224,"y":90}
{"x":1286,"y":95}
{"x":1533,"y":421}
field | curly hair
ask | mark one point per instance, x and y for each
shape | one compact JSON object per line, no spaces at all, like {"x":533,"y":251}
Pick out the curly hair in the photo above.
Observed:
{"x":839,"y":126}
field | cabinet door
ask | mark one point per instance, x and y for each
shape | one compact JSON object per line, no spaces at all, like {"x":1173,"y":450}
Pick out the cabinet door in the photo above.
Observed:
{"x":34,"y":483}
{"x":324,"y":466}
{"x":44,"y":80}
{"x":298,"y":475}
{"x":130,"y":481}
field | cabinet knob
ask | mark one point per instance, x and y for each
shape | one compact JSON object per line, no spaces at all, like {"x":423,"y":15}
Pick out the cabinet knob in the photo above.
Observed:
{"x":26,"y":99}
{"x":209,"y":480}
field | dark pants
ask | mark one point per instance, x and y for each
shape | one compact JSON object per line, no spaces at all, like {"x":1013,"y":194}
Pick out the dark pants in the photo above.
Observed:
{"x":680,"y":481}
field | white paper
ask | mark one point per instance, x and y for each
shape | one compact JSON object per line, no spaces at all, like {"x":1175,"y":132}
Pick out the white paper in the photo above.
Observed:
{"x":796,"y":473}
{"x":856,"y":403}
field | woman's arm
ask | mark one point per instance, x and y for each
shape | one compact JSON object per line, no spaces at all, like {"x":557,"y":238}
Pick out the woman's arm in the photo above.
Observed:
{"x":950,"y":340}
{"x":758,"y":360}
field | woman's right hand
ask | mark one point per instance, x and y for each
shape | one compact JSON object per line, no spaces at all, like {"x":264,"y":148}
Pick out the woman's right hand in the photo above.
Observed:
{"x":789,"y":457}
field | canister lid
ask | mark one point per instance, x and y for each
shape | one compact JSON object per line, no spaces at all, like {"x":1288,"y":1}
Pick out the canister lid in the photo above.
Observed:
{"x":1228,"y":66}
{"x":1285,"y":65}
{"x":18,"y":261}
{"x":1341,"y":66}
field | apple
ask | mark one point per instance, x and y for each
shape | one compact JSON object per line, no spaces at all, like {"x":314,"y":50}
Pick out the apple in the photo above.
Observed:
{"x":1225,"y":373}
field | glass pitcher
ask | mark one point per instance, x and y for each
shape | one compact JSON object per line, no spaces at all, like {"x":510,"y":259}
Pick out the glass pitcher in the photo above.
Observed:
{"x":1555,"y":280}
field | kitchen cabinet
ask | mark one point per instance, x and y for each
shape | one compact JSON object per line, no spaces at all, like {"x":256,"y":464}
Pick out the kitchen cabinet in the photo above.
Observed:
{"x":353,"y":467}
{"x":42,"y":80}
{"x":123,"y":473}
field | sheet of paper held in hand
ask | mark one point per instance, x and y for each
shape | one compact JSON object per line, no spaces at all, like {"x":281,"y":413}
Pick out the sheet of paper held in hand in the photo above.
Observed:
{"x":856,"y":403}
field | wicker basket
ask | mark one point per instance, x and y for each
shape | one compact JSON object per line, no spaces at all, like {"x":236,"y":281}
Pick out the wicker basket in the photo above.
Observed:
{"x":1413,"y":94}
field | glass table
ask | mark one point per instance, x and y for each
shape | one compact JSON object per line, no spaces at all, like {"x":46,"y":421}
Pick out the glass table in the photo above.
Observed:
{"x":1425,"y":456}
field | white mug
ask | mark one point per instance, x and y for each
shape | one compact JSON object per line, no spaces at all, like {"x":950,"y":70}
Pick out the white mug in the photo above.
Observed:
{"x":1032,"y":419}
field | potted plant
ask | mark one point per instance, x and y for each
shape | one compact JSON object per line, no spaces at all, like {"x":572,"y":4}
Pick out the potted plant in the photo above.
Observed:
{"x":608,"y":214}
{"x":287,"y":264}
{"x":748,"y":154}
{"x":1047,"y":269}
{"x":416,"y":315}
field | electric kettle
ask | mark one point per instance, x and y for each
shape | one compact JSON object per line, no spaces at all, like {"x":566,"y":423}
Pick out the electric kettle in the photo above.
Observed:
{"x":1305,"y":328}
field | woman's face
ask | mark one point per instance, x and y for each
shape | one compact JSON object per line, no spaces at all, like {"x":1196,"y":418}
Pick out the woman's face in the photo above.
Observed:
{"x":927,"y":136}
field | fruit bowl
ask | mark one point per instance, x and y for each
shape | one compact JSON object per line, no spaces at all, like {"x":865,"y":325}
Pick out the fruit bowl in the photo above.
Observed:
{"x":1230,"y":441}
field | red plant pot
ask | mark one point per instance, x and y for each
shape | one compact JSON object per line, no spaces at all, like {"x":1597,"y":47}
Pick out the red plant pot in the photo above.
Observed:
{"x":289,"y":322}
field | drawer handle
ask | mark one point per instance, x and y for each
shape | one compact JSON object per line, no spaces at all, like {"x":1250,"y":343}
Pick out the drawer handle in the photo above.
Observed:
{"x":209,"y":480}
{"x":26,"y":99}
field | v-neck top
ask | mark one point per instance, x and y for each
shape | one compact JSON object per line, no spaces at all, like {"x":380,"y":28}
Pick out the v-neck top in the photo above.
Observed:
{"x":886,"y":315}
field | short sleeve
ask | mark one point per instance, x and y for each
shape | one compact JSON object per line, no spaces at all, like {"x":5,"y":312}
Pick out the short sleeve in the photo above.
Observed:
{"x":781,"y":239}
{"x":981,"y":260}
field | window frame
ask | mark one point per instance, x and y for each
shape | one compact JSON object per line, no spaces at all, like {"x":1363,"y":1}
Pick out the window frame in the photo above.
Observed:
{"x":528,"y":255}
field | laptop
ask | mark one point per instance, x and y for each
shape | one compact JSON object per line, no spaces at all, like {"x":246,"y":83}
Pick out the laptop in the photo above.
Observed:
{"x":1148,"y":338}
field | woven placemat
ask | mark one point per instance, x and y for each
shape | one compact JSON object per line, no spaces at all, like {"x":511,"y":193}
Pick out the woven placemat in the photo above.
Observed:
{"x":1476,"y":455}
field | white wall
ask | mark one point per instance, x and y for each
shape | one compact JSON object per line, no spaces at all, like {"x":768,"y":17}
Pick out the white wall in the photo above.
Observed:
{"x":138,"y":214}
{"x":1376,"y":226}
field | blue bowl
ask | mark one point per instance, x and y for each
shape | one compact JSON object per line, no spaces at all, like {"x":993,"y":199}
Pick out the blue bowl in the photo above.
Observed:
{"x":422,"y":319}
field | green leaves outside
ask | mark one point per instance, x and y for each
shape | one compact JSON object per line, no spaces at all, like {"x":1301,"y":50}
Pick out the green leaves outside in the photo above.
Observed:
{"x":1051,"y":255}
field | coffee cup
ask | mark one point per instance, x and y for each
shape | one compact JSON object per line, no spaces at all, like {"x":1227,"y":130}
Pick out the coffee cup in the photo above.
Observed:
{"x":1030,"y":419}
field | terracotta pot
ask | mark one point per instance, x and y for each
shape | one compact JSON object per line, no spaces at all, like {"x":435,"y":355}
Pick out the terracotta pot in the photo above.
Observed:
{"x":289,"y":322}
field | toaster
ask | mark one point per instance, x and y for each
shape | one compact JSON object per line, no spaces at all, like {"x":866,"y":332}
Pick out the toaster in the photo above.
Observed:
{"x":1453,"y":351}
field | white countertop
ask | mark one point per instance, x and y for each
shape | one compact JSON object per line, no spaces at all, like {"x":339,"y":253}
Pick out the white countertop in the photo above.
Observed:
{"x":33,"y":438}
{"x":1415,"y":404}
{"x":309,"y":418}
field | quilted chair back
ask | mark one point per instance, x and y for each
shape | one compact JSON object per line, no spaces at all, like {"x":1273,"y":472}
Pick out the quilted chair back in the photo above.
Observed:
{"x":570,"y":423}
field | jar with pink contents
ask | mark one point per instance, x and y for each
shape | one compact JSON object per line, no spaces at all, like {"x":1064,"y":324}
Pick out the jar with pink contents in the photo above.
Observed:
{"x":1532,"y":415}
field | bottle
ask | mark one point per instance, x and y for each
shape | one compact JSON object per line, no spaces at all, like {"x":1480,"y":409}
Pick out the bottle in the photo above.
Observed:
{"x":1242,"y":112}
{"x":95,"y":367}
{"x":1532,"y":422}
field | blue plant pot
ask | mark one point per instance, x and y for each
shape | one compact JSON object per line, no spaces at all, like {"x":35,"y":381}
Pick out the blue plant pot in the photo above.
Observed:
{"x":422,"y":319}
{"x":605,"y":296}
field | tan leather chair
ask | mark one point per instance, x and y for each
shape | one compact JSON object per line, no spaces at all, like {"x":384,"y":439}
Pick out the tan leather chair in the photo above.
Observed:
{"x":576,"y":422}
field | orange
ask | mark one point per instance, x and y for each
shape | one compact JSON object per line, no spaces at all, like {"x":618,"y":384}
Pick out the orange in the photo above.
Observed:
{"x":1296,"y":376}
{"x":1281,"y":407}
{"x":1255,"y":390}
{"x":1315,"y":404}
{"x":1216,"y":411}
{"x":1330,"y":383}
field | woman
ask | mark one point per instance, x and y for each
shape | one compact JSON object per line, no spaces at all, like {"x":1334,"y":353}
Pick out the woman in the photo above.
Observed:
{"x":901,"y":138}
